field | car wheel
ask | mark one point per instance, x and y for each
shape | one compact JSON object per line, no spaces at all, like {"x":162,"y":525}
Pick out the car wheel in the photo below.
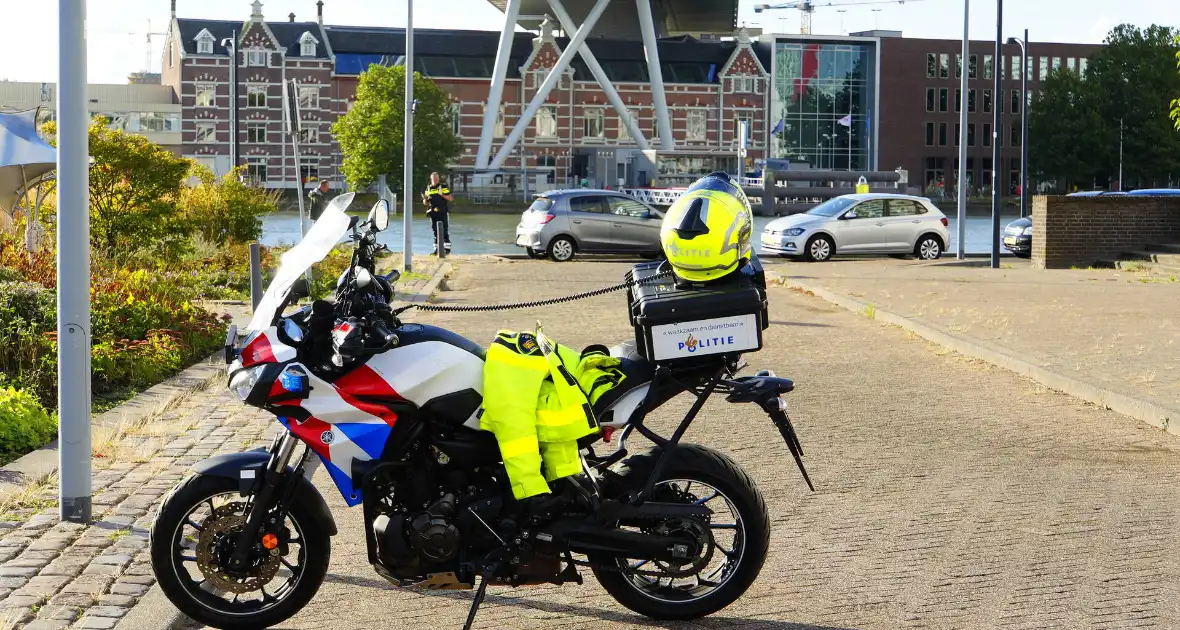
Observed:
{"x":534,"y":254}
{"x":929,"y":247}
{"x":561,"y":249}
{"x":820,"y":248}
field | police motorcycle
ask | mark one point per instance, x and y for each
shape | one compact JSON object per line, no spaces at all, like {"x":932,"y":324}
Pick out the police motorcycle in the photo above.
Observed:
{"x":391,"y":410}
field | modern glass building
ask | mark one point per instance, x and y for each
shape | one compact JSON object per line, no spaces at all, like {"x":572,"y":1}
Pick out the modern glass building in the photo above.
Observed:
{"x":825,"y":100}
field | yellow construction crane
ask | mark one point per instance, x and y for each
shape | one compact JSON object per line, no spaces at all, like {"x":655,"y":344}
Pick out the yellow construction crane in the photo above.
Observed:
{"x":806,"y":7}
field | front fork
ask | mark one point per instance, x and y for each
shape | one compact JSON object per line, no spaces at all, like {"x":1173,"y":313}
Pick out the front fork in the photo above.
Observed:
{"x":259,"y":510}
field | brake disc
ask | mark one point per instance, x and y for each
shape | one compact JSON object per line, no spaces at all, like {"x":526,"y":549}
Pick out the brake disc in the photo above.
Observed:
{"x":228,"y":521}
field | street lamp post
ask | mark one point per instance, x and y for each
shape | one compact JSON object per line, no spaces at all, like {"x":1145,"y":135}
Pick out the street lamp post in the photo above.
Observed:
{"x":408,"y":170}
{"x":996,"y":72}
{"x":230,"y":44}
{"x":1023,"y":43}
{"x":961,"y":225}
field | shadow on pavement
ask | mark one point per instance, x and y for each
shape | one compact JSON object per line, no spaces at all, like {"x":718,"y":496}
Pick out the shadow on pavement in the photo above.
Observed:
{"x":618,"y":616}
{"x":801,"y":324}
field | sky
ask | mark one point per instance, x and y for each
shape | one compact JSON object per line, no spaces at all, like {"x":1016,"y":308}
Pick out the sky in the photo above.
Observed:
{"x":117,"y":29}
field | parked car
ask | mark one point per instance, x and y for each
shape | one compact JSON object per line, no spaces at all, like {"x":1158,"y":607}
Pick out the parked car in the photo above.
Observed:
{"x":874,"y":223}
{"x":1017,"y":237}
{"x":1097,"y":193}
{"x":1155,"y":192}
{"x":562,"y":223}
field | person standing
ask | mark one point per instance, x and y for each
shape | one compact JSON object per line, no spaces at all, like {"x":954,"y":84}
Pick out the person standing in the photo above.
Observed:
{"x":437,"y":199}
{"x":317,"y":199}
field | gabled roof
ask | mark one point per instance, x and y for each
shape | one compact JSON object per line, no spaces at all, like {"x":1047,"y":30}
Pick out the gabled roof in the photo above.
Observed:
{"x":287,"y":34}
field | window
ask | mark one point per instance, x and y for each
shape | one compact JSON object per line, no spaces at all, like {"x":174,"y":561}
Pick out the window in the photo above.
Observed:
{"x":931,"y":65}
{"x":987,"y":134}
{"x":1072,"y":64}
{"x":256,"y":132}
{"x":1015,"y":65}
{"x":971,"y":94}
{"x":929,"y":134}
{"x":1044,"y":68}
{"x":547,"y":122}
{"x":625,"y":207}
{"x":743,"y":83}
{"x":958,"y":100}
{"x":456,"y":112}
{"x":256,"y":96}
{"x":171,"y":57}
{"x":498,"y":131}
{"x":944,"y":66}
{"x":1015,"y":135}
{"x":256,"y":169}
{"x":309,"y":169}
{"x":942,"y":134}
{"x":987,"y":66}
{"x":970,"y":134}
{"x":205,"y":46}
{"x":1030,"y":68}
{"x":205,"y":95}
{"x":1082,"y":64}
{"x":309,"y":97}
{"x":905,"y":208}
{"x":206,"y":132}
{"x":958,"y":66}
{"x":1015,"y":101}
{"x":1000,"y":135}
{"x":696,"y":125}
{"x":942,"y":99}
{"x":930,"y":100}
{"x":1056,"y":64}
{"x":958,"y":132}
{"x":309,"y":135}
{"x":871,"y":209}
{"x":987,"y":101}
{"x":592,"y":126}
{"x":588,"y":203}
{"x":624,"y":133}
{"x":1000,"y":101}
{"x":973,"y":67}
{"x":256,"y":58}
{"x":307,"y":45}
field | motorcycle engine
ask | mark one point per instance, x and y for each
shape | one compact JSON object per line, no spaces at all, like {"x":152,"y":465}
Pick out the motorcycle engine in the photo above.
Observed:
{"x":425,"y":539}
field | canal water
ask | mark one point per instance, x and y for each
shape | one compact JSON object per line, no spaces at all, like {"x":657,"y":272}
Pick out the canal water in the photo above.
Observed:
{"x":496,"y":233}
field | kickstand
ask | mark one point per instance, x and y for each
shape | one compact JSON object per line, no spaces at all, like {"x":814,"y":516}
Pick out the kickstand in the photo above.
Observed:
{"x":479,"y":595}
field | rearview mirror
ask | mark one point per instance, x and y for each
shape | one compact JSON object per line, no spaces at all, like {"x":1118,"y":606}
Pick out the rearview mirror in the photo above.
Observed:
{"x":850,"y":215}
{"x":379,"y":215}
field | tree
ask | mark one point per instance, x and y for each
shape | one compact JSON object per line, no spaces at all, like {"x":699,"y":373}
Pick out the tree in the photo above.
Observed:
{"x":372,"y":133}
{"x":1176,"y":103}
{"x":134,"y":188}
{"x":226,"y":209}
{"x":1129,"y":84}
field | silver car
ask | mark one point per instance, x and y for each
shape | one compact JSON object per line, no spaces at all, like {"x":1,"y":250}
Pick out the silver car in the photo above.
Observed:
{"x":562,"y":223}
{"x":861,"y":224}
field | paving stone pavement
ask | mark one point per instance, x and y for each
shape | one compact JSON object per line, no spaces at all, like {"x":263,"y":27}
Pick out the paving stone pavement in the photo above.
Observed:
{"x":58,"y":574}
{"x":950,"y":494}
{"x":1116,"y":329}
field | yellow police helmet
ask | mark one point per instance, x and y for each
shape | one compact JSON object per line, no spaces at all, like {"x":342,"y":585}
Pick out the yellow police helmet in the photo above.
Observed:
{"x":706,"y":233}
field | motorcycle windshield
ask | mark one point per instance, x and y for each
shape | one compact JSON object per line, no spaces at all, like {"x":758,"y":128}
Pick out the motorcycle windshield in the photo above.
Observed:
{"x":319,"y":240}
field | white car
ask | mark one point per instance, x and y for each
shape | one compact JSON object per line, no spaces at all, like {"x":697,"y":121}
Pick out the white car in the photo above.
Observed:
{"x":861,"y":224}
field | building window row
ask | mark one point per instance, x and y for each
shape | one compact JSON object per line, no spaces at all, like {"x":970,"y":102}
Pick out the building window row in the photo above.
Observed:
{"x":938,"y":66}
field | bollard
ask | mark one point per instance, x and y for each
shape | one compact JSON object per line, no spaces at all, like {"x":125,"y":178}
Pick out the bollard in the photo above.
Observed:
{"x":440,"y":244}
{"x":256,"y":288}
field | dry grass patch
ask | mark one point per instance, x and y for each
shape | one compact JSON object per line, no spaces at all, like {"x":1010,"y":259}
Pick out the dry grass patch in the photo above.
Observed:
{"x":36,"y":495}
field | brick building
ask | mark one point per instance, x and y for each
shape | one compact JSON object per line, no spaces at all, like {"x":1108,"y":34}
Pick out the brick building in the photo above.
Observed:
{"x":710,"y":86}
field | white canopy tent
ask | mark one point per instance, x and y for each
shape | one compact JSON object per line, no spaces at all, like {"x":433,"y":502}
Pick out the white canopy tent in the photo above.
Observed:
{"x":26,"y":160}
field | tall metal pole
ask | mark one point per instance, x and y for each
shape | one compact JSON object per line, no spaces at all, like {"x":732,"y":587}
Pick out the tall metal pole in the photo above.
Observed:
{"x":996,"y":106}
{"x":961,"y":225}
{"x":1024,"y":194}
{"x":73,"y":264}
{"x":1120,"y":155}
{"x":408,"y":170}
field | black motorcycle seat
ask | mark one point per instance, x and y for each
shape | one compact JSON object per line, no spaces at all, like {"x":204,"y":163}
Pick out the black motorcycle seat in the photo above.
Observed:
{"x":636,"y":370}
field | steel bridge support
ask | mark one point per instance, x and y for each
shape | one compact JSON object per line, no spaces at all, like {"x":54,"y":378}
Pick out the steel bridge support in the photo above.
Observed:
{"x":654,"y":75}
{"x":499,"y":77}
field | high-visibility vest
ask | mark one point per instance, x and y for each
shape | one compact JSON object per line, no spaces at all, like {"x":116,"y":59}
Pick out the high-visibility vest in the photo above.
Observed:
{"x":536,"y":403}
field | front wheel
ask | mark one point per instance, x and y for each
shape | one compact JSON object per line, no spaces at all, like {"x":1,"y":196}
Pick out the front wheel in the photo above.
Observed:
{"x":191,"y":541}
{"x":819,"y":249}
{"x":731,"y":543}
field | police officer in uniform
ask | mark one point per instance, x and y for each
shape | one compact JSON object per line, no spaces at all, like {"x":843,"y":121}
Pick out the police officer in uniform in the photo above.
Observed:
{"x":437,"y":199}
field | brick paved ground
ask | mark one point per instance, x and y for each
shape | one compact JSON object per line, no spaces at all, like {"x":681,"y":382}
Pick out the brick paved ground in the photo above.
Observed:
{"x":950,"y":494}
{"x":56,"y":574}
{"x":1116,"y":329}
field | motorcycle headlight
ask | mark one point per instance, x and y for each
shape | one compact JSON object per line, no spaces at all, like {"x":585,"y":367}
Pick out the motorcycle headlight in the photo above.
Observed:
{"x":244,"y":381}
{"x":794,"y":232}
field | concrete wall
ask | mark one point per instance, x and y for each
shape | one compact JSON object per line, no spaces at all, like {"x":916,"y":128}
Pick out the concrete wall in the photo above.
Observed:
{"x":1070,"y":231}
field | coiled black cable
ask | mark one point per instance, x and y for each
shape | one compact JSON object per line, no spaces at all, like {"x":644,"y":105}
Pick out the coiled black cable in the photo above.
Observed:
{"x":519,"y":305}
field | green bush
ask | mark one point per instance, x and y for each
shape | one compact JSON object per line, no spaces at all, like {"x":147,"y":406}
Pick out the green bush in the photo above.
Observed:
{"x":28,"y":321}
{"x":24,"y":424}
{"x":226,"y":210}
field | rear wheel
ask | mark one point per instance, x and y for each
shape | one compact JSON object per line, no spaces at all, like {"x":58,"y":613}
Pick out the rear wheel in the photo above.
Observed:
{"x":928,"y":247}
{"x":731,"y":544}
{"x":193,"y":536}
{"x":561,"y":249}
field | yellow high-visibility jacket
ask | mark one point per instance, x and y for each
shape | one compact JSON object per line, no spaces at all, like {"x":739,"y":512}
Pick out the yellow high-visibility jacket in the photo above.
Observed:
{"x":537,"y":399}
